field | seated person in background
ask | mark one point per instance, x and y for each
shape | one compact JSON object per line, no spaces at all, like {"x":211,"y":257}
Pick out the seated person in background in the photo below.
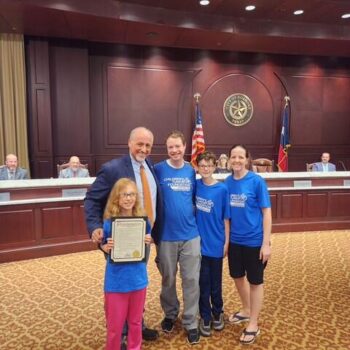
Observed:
{"x":222,"y":166}
{"x":75,"y":169}
{"x":11,"y":170}
{"x":325,"y":165}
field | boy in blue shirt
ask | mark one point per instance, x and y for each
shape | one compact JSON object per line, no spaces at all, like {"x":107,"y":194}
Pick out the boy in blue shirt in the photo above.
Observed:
{"x":212,"y":215}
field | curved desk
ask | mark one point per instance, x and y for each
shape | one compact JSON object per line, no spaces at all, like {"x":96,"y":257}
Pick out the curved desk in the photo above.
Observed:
{"x":46,"y":217}
{"x":42,"y":218}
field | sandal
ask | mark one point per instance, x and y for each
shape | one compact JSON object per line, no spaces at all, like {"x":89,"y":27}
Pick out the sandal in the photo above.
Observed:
{"x":237,"y":319}
{"x":249,"y":333}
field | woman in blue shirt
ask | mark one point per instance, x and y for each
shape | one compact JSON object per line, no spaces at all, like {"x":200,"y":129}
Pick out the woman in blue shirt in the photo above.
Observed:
{"x":249,"y":248}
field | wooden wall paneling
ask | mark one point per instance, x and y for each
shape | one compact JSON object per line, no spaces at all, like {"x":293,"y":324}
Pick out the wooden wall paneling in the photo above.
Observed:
{"x":223,"y":74}
{"x":18,"y":227}
{"x":69,"y":70}
{"x":42,"y":229}
{"x":319,"y":91}
{"x":316,"y":204}
{"x":339,"y":204}
{"x":80,"y":228}
{"x":39,"y":113}
{"x":155,"y":98}
{"x":262,"y":122}
{"x":57,"y":221}
{"x":273,"y":199}
{"x":100,"y":91}
{"x":292,"y":206}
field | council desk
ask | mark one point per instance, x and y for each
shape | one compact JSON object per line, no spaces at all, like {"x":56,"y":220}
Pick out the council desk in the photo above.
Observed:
{"x":46,"y":217}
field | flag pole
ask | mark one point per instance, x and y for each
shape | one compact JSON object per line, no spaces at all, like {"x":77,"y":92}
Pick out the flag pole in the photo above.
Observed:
{"x":287,"y":99}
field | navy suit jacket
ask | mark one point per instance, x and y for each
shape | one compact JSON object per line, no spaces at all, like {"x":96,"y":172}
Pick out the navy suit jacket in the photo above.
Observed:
{"x":319,"y":167}
{"x":96,"y":197}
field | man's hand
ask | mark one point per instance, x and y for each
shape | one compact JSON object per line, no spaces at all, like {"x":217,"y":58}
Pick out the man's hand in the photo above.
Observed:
{"x":97,"y":235}
{"x":108,"y":246}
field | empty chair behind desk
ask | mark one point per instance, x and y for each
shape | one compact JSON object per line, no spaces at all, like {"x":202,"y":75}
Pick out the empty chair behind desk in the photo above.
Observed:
{"x":262,"y":165}
{"x":309,"y":166}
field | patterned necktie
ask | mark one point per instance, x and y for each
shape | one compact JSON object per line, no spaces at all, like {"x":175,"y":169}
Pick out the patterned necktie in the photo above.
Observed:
{"x":147,"y":200}
{"x":12,"y":175}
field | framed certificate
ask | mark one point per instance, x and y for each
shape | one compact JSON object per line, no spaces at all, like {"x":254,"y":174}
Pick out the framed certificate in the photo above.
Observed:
{"x":128,"y":234}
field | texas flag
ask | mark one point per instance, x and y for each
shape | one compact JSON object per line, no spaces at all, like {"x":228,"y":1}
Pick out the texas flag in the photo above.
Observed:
{"x":284,"y":140}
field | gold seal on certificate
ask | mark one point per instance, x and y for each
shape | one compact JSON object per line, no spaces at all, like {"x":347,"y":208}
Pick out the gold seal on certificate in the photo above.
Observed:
{"x":128,"y":234}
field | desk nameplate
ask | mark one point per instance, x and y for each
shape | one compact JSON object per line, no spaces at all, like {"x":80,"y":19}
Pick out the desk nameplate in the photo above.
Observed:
{"x":302,"y":183}
{"x":5,"y":197}
{"x":74,"y":192}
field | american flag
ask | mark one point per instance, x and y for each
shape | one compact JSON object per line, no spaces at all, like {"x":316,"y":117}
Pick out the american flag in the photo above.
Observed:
{"x":198,"y":143}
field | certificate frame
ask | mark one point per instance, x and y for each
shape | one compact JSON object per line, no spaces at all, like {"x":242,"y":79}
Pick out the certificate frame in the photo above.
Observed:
{"x":128,"y":234}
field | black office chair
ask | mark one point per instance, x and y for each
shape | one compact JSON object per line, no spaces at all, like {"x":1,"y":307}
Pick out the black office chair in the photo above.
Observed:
{"x":341,"y":166}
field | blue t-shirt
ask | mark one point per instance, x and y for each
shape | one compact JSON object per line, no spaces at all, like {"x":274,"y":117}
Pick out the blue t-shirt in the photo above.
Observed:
{"x":123,"y":277}
{"x":212,"y":208}
{"x":247,"y":197}
{"x":178,"y":187}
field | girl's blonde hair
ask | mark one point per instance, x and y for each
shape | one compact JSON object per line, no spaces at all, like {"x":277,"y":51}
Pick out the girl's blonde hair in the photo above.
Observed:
{"x":112,"y":206}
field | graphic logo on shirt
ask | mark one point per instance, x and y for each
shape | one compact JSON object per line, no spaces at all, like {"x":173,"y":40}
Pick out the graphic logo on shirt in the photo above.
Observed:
{"x":179,"y":184}
{"x":238,"y":200}
{"x":203,"y":204}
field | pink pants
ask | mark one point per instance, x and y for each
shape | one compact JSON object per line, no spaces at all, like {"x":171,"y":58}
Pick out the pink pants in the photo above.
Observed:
{"x":120,"y":307}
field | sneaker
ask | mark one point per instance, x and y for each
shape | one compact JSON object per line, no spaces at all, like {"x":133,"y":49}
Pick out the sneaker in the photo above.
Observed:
{"x":218,"y":322}
{"x":167,"y":325}
{"x":193,"y":336}
{"x":205,"y":328}
{"x":149,"y":334}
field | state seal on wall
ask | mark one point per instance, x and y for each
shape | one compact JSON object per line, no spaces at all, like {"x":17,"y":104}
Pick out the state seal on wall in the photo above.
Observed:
{"x":238,"y":109}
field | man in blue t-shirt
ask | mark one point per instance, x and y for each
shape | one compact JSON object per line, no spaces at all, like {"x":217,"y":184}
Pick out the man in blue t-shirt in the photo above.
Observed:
{"x":212,"y":214}
{"x":180,"y":241}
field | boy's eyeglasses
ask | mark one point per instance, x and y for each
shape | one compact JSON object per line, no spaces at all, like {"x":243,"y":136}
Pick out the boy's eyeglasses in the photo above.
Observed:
{"x":204,"y":166}
{"x":127,"y":195}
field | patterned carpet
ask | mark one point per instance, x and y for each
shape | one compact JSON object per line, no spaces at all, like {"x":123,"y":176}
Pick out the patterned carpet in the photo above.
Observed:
{"x":57,"y":303}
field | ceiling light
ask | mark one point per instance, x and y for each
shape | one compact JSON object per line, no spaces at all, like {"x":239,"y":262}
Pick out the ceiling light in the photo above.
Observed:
{"x":298,"y":12}
{"x":250,"y":8}
{"x":346,"y":15}
{"x":204,"y":2}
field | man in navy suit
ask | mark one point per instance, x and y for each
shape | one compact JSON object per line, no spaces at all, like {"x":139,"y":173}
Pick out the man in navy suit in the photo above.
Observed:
{"x":325,"y":165}
{"x":11,"y":170}
{"x":140,"y":145}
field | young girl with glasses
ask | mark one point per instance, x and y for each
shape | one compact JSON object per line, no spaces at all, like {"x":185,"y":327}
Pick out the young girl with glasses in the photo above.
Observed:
{"x":125,"y":283}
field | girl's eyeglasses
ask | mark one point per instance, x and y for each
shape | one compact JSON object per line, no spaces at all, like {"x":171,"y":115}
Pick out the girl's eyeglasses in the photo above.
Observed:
{"x":127,"y":195}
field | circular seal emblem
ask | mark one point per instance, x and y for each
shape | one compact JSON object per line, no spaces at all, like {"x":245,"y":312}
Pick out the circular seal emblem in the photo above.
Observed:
{"x":238,"y":109}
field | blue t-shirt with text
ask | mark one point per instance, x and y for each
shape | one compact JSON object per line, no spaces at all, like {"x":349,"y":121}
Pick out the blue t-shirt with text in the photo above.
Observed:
{"x":212,"y":208}
{"x":178,"y":187}
{"x":247,"y":197}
